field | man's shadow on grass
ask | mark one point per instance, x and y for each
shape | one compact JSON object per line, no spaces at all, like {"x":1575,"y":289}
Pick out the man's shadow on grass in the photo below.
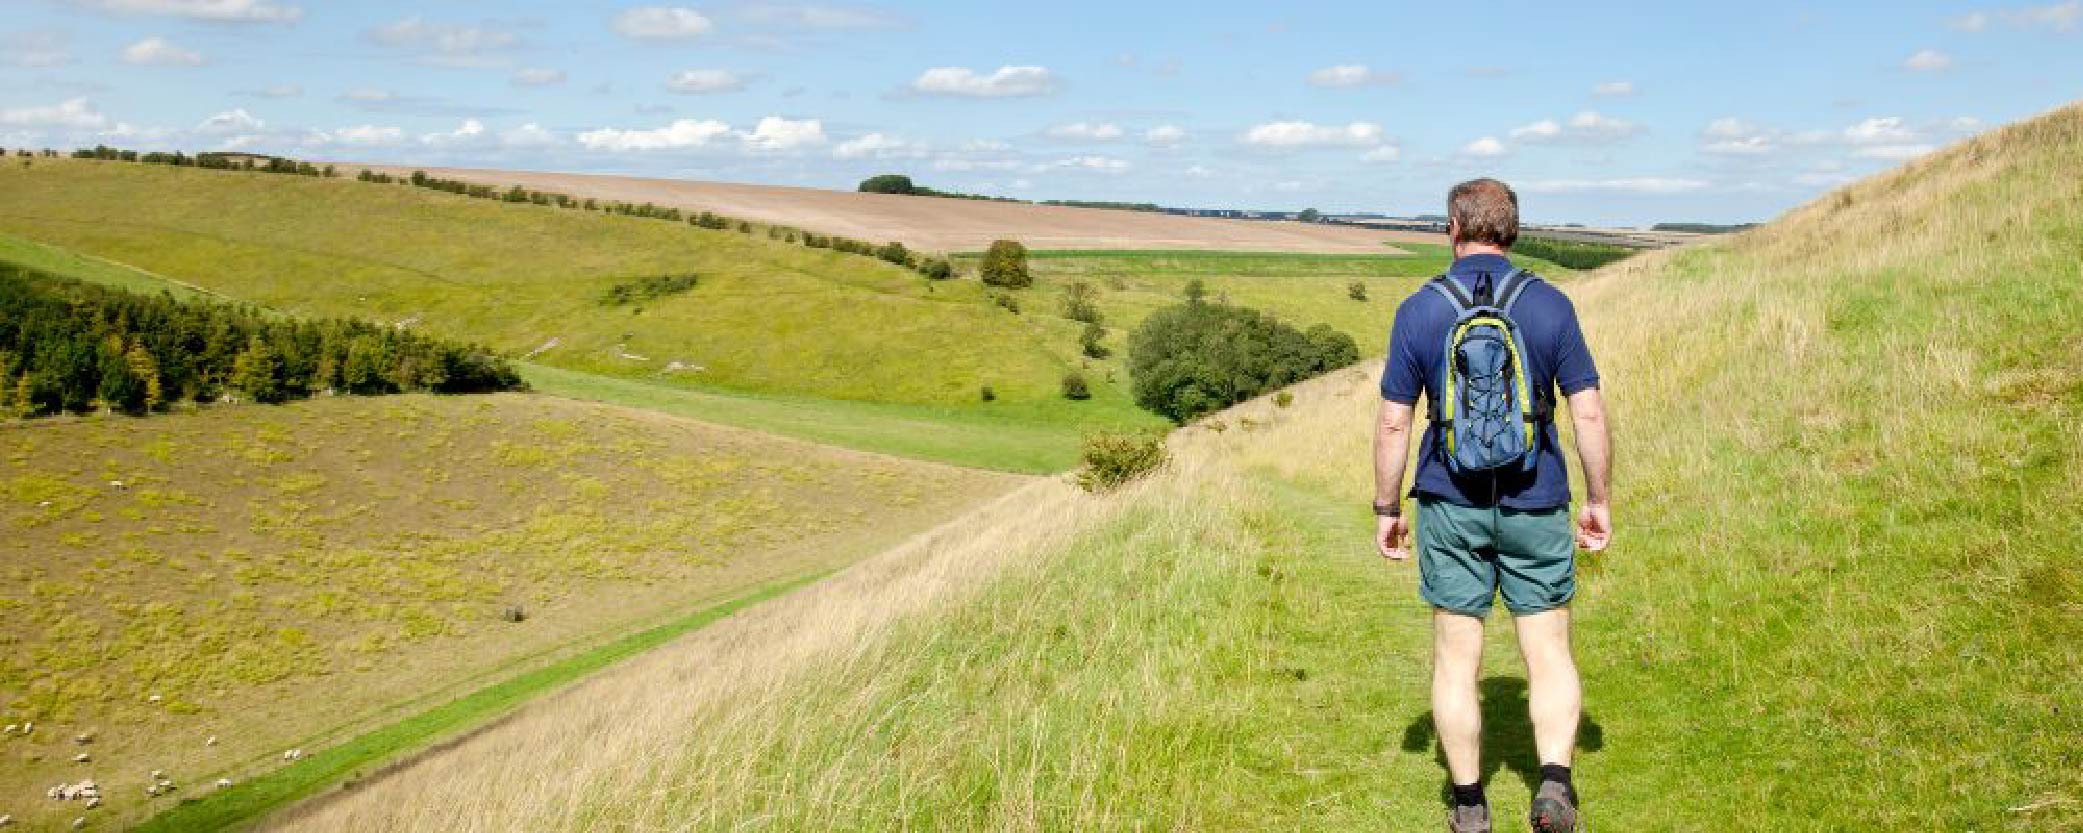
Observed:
{"x":1507,"y":736}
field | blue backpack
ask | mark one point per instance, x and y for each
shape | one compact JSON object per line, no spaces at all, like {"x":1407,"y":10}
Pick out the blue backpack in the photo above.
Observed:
{"x":1488,"y":415}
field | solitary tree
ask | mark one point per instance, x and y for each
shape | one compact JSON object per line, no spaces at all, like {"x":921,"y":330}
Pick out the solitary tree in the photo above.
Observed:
{"x":888,"y":184}
{"x":1309,"y":215}
{"x":1005,"y":264}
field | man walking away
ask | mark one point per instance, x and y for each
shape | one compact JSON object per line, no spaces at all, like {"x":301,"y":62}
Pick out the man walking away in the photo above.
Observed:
{"x":1488,"y":346}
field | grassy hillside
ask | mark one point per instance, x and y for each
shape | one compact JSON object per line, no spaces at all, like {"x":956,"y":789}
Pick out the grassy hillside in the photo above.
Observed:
{"x":766,"y":318}
{"x":289,"y":576}
{"x":858,"y":352}
{"x":1843,"y":593}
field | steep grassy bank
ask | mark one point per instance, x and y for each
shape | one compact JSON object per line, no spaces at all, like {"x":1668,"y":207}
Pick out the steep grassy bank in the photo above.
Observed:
{"x":764,"y":317}
{"x":1843,"y":594}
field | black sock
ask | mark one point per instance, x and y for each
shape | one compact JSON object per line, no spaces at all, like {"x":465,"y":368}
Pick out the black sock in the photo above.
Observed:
{"x":1560,"y":775}
{"x":1470,"y":795}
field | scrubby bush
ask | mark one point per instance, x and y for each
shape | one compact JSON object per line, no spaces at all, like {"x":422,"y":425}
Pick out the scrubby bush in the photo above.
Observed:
{"x":987,"y":394}
{"x":1283,"y":399}
{"x":1111,"y":459}
{"x":894,"y":252}
{"x":1194,"y":358}
{"x":1091,"y":339}
{"x":1010,"y":303}
{"x":1357,"y":290}
{"x":1196,"y":291}
{"x":1005,"y":264}
{"x":1078,"y":303}
{"x":646,"y":289}
{"x":1075,"y":387}
{"x":937,"y":268}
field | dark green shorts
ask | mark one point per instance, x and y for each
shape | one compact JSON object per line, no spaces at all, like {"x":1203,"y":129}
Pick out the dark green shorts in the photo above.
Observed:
{"x":1466,"y":556}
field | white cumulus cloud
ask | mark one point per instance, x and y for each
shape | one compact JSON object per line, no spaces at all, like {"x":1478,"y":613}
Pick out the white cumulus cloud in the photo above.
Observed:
{"x":1006,"y":82}
{"x":1731,"y":136}
{"x":1165,"y":136}
{"x":1352,"y":75}
{"x":878,"y":146}
{"x":1487,"y":147}
{"x":1928,"y":60}
{"x":663,"y":23}
{"x":210,"y":11}
{"x":75,"y":113}
{"x":1302,"y":134}
{"x":156,"y":51}
{"x":368,"y":134}
{"x":775,"y":133}
{"x":443,"y":43}
{"x":682,"y":133}
{"x":470,"y":132}
{"x":1586,"y":127}
{"x":1102,"y":164}
{"x":703,"y":81}
{"x":231,"y":121}
{"x":1085,"y":131}
{"x":1385,"y":153}
{"x":528,"y":136}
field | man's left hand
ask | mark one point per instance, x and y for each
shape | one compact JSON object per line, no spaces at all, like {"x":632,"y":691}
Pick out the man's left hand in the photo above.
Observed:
{"x":1391,"y":536}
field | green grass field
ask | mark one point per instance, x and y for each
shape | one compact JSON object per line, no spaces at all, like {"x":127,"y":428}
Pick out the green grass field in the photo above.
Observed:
{"x":1302,"y":289}
{"x":1843,"y":593}
{"x":294,"y":576}
{"x":766,"y":317}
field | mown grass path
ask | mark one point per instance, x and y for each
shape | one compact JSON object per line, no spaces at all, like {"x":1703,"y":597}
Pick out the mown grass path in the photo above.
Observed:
{"x":247,"y":802}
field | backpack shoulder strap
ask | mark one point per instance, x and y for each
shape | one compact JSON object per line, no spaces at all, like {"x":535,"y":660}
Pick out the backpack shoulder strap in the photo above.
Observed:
{"x":1454,"y":293}
{"x":1514,"y":285}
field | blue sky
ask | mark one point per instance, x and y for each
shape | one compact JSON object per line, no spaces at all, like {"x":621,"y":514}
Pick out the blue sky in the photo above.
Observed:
{"x":1599,"y":113}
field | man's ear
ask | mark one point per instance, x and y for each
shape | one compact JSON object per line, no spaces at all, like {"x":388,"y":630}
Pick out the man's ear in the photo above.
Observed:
{"x":1453,"y":230}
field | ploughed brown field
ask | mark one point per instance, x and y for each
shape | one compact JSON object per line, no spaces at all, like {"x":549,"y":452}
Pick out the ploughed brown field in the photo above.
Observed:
{"x":943,"y":224}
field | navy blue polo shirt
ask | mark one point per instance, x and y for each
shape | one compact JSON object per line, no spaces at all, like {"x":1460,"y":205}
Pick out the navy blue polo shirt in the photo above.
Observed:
{"x":1556,"y":359}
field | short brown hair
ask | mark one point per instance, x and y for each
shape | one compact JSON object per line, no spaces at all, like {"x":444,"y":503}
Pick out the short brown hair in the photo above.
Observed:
{"x":1486,"y":210}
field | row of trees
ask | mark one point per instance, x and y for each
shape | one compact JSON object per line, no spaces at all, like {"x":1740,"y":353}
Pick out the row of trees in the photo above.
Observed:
{"x":67,"y":346}
{"x":932,"y":267}
{"x":893,"y":252}
{"x":901,"y":184}
{"x":1198,"y":357}
{"x":215,"y":161}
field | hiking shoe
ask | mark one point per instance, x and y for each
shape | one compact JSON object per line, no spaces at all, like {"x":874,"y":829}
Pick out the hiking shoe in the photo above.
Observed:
{"x":1469,"y":819}
{"x":1554,"y":809}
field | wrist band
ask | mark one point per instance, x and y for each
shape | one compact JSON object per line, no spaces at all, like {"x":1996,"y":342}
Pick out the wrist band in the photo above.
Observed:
{"x":1389,"y":510}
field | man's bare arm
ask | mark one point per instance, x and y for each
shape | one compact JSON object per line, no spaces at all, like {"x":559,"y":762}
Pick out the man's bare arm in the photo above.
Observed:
{"x":1587,"y":411}
{"x":1391,"y":452}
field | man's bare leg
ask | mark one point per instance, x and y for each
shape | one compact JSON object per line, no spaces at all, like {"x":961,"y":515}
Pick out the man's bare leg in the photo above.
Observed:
{"x":1457,"y":714}
{"x":1554,"y":696}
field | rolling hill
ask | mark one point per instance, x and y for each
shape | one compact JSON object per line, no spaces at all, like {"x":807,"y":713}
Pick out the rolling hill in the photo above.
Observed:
{"x":279,"y":577}
{"x":811,"y":343}
{"x":1843,"y":593}
{"x":946,"y":225}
